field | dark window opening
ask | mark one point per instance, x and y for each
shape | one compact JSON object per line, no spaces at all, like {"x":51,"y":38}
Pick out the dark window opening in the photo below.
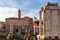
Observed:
{"x":36,"y":33}
{"x":23,"y":30}
{"x":16,"y":30}
{"x":42,"y":22}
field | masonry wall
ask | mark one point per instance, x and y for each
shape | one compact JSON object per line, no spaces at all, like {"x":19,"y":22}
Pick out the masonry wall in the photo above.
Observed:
{"x":51,"y":21}
{"x":26,"y":22}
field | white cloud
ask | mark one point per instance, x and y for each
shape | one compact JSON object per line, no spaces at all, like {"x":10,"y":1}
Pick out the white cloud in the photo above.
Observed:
{"x":6,"y":12}
{"x":30,"y":13}
{"x":9,"y":8}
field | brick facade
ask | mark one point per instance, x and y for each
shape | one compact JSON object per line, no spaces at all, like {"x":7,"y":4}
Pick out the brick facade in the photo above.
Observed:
{"x":18,"y":24}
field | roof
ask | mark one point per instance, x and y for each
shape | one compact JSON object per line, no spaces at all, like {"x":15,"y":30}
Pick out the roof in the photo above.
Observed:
{"x":12,"y":18}
{"x":47,"y":4}
{"x":52,"y":4}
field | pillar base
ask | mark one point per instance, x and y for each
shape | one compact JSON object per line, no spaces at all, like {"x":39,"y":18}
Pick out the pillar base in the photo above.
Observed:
{"x":52,"y":38}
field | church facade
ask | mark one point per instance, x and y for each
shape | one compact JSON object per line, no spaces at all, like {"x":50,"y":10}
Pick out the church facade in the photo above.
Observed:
{"x":19,"y":25}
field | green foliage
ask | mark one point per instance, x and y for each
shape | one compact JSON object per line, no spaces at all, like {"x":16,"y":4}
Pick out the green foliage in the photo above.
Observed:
{"x":12,"y":35}
{"x":16,"y":34}
{"x":3,"y":35}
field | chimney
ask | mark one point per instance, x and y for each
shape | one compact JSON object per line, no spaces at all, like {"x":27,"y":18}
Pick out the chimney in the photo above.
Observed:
{"x":19,"y":13}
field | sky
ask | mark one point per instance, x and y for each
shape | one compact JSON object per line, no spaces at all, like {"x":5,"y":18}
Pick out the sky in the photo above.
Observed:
{"x":9,"y":8}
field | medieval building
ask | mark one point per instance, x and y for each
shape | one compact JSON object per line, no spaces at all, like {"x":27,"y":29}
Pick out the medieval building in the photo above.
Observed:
{"x":19,"y":25}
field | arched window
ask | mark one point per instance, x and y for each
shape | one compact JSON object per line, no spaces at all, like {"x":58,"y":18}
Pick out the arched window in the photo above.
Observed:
{"x":23,"y":29}
{"x":15,"y":30}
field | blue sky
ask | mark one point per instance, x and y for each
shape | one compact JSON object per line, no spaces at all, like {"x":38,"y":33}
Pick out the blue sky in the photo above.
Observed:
{"x":9,"y":8}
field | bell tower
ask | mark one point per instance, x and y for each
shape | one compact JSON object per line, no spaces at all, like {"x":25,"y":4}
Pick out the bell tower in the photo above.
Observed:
{"x":19,"y":13}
